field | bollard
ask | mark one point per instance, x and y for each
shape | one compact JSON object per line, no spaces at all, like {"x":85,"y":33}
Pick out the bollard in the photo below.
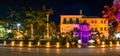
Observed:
{"x":13,"y":43}
{"x":117,"y":43}
{"x":30,"y":44}
{"x":38,"y":43}
{"x":103,"y":43}
{"x":111,"y":44}
{"x":48,"y":44}
{"x":67,"y":44}
{"x":4,"y":43}
{"x":57,"y":44}
{"x":21,"y":43}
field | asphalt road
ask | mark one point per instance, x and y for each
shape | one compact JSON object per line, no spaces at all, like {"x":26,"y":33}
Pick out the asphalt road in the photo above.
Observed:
{"x":24,"y":51}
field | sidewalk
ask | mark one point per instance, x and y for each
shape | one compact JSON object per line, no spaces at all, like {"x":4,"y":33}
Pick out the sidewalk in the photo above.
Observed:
{"x":58,"y":46}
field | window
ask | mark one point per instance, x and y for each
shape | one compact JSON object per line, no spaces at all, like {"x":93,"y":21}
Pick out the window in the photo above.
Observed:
{"x":64,"y":21}
{"x":77,"y":21}
{"x":92,"y":21}
{"x":95,"y":28}
{"x":84,"y":21}
{"x":75,"y":28}
{"x":71,"y":21}
{"x":101,"y":21}
{"x":62,"y":28}
{"x":101,"y":29}
{"x":105,"y":29}
{"x":92,"y":29}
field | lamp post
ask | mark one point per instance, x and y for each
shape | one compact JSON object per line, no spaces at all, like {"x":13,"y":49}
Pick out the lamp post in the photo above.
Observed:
{"x":18,"y":29}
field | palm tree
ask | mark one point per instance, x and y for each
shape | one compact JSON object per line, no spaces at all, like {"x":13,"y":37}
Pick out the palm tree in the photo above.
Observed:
{"x":47,"y":13}
{"x":32,"y":19}
{"x":14,"y":17}
{"x":37,"y":19}
{"x":52,"y":27}
{"x":28,"y":24}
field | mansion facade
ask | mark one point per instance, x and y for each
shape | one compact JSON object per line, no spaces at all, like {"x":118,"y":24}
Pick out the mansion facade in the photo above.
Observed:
{"x":70,"y":22}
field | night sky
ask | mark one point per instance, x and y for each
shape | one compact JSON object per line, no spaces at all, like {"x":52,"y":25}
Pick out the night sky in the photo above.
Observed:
{"x":89,"y":7}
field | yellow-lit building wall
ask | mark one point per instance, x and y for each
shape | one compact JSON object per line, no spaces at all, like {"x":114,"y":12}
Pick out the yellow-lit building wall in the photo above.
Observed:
{"x":96,"y":23}
{"x":101,"y":24}
{"x":68,"y":27}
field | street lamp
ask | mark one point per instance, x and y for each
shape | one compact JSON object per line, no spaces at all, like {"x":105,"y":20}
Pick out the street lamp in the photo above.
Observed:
{"x":18,"y":29}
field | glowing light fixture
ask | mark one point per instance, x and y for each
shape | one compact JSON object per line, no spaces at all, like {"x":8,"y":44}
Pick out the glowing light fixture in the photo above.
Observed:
{"x":13,"y":43}
{"x":103,"y":44}
{"x":38,"y":43}
{"x":8,"y":31}
{"x":4,"y":43}
{"x":117,"y":43}
{"x":30,"y":44}
{"x":21,"y":43}
{"x":79,"y":46}
{"x":67,"y":44}
{"x":48,"y":44}
{"x":79,"y":41}
{"x":91,"y":41}
{"x":57,"y":44}
{"x":98,"y":41}
{"x":91,"y":46}
{"x":111,"y":44}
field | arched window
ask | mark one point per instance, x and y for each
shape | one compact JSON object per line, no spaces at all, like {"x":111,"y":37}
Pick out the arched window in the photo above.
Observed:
{"x":71,"y":21}
{"x":77,"y":21}
{"x":95,"y":28}
{"x":64,"y":21}
{"x":84,"y":21}
{"x":95,"y":21}
{"x":92,"y":29}
{"x":101,"y":29}
{"x":101,"y":21}
{"x":92,"y":21}
{"x":105,"y":29}
{"x":104,"y":21}
{"x":76,"y":29}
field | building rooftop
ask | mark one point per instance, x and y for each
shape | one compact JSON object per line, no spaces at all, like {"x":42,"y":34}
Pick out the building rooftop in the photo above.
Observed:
{"x":83,"y":16}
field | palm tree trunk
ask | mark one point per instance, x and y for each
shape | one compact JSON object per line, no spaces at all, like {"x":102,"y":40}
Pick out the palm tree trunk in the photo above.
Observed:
{"x":48,"y":26}
{"x":38,"y":32}
{"x":32,"y":31}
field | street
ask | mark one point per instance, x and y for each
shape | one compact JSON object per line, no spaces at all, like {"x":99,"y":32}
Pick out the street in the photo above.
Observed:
{"x":24,"y":51}
{"x":19,"y":51}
